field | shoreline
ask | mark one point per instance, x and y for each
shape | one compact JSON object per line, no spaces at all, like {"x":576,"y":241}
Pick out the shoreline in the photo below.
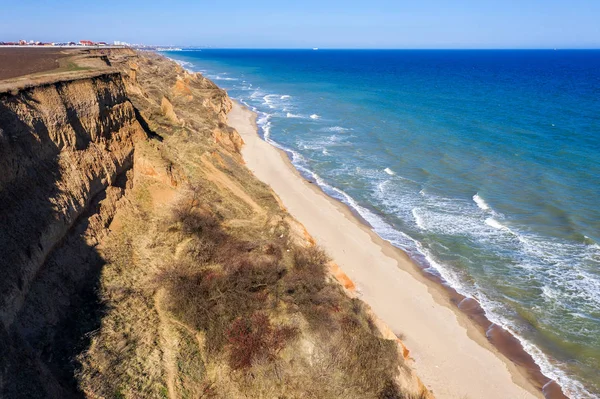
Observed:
{"x":497,"y":361}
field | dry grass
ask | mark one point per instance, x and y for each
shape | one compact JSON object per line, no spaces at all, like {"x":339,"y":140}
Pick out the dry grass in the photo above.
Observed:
{"x":252,"y":299}
{"x":244,"y":309}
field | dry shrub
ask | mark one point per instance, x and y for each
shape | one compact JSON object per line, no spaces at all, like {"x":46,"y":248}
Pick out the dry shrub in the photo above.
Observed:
{"x":201,"y":250}
{"x":370,"y":362}
{"x":228,"y":285}
{"x":307,"y":277}
{"x":209,"y":299}
{"x":306,"y":288}
{"x":194,"y":220}
{"x":391,"y":391}
{"x":253,"y":338}
{"x":311,"y":260}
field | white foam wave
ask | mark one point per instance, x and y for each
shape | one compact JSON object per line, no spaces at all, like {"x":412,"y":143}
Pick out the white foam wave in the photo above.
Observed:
{"x":315,"y":116}
{"x":481,"y":202}
{"x":337,"y":129}
{"x":571,"y":387}
{"x":264,"y":123}
{"x":269,"y":100}
{"x":331,"y":141}
{"x":558,"y":266}
{"x":418,"y":219}
{"x":285,"y":97}
{"x":389,"y":171}
{"x":496,"y":224}
{"x":185,"y":64}
{"x":221,"y":76}
{"x":290,"y":115}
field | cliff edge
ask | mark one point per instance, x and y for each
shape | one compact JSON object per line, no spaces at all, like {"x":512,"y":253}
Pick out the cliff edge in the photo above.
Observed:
{"x":141,"y":258}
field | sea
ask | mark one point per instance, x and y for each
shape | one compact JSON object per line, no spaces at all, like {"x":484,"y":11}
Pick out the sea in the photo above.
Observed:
{"x":483,"y":165}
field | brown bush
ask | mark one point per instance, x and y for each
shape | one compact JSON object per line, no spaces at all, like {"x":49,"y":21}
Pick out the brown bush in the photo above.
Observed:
{"x":369,"y":362}
{"x":195,"y":221}
{"x":307,"y":277}
{"x":311,"y":259}
{"x":237,"y":281}
{"x":209,"y":299}
{"x":201,"y":250}
{"x":254,"y":338}
{"x":391,"y":391}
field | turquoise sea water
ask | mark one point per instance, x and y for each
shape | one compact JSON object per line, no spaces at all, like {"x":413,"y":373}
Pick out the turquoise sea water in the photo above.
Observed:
{"x":483,"y":165}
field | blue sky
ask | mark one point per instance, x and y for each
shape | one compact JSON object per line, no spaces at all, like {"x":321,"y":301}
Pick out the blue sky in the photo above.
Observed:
{"x":311,"y":23}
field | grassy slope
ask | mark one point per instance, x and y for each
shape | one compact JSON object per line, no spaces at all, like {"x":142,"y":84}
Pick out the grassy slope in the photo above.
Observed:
{"x":212,"y":290}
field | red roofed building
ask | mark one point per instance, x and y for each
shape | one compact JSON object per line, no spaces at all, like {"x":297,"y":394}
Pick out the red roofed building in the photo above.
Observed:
{"x":86,"y":43}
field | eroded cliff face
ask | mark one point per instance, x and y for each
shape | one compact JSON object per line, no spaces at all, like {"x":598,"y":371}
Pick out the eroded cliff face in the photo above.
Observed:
{"x":134,"y":241}
{"x":61,"y":145}
{"x":65,"y":149}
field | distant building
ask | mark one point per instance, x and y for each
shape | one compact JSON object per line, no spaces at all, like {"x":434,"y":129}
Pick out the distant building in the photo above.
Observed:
{"x":22,"y":43}
{"x":86,"y":43}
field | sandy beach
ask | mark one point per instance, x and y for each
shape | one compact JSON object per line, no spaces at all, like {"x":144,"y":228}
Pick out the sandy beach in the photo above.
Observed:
{"x":449,"y":354}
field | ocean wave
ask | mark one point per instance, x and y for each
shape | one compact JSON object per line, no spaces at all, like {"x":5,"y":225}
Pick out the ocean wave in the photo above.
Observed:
{"x":290,"y":115}
{"x":275,"y":101}
{"x":570,"y":386}
{"x":497,"y":225}
{"x":220,"y":76}
{"x":315,"y":116}
{"x":481,"y":202}
{"x":264,"y":123}
{"x":418,"y":219}
{"x":337,"y":129}
{"x":389,"y":171}
{"x":270,"y":100}
{"x":324,"y":142}
{"x":186,"y":64}
{"x":256,"y":94}
{"x":558,"y":265}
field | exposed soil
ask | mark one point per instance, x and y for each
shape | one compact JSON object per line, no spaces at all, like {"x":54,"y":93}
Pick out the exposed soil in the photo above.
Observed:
{"x":16,"y":61}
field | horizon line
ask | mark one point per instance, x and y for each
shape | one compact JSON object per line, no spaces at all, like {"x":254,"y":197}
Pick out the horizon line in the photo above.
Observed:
{"x":387,"y":48}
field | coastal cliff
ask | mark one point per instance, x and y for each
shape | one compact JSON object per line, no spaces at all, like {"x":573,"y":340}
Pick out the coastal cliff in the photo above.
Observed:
{"x":62,"y":144}
{"x":141,"y":258}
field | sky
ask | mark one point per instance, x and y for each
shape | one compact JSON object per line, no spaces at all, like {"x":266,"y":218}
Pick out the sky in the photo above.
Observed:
{"x":309,"y":23}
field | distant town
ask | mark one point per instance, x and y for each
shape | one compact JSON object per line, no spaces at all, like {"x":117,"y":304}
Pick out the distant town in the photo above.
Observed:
{"x":88,"y":43}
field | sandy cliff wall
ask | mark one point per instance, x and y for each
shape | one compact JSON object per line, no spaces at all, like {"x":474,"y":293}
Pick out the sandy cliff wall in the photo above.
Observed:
{"x":65,"y":149}
{"x":60,"y":145}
